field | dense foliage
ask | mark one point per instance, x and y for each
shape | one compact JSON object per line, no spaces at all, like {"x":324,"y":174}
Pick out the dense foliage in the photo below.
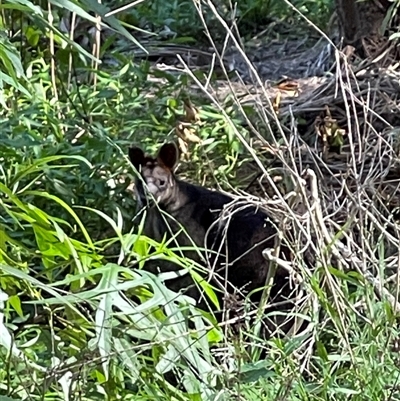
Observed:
{"x":79,"y":318}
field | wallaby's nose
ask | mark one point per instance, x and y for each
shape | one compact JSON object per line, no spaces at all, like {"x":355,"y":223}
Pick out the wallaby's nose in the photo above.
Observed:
{"x":152,"y":187}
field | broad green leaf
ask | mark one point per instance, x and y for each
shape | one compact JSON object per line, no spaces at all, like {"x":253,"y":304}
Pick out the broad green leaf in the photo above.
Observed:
{"x":67,"y":208}
{"x":252,"y":372}
{"x":74,"y":8}
{"x":6,"y":340}
{"x":33,"y":167}
{"x":26,"y":3}
{"x":15,"y":302}
{"x":36,"y":283}
{"x":32,"y":35}
{"x":13,"y":82}
{"x":104,"y":318}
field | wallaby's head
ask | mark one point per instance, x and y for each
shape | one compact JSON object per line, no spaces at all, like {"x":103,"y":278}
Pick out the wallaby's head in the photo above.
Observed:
{"x":157,"y":173}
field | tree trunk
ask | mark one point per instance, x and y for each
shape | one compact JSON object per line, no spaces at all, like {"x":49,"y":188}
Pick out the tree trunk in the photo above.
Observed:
{"x":361,"y":20}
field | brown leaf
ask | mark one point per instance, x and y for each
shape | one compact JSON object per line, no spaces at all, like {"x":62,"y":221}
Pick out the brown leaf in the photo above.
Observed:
{"x":192,"y":115}
{"x":288,"y":86}
{"x":184,"y":148}
{"x":186,"y":132}
{"x":276,"y":103}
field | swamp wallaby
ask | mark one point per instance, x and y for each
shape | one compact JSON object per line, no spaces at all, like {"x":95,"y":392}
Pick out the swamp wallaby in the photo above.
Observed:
{"x":238,"y":236}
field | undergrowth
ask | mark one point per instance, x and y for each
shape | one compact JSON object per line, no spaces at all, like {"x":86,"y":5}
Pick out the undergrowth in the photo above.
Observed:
{"x":179,"y":22}
{"x":79,"y":318}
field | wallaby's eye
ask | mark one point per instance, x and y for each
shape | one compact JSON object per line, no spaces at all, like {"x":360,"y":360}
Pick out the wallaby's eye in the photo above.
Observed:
{"x":162,"y":183}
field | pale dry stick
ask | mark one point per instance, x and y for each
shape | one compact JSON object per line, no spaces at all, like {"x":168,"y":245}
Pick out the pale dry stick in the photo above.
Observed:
{"x":341,"y":249}
{"x":358,"y":174}
{"x":386,"y":223}
{"x":320,"y":31}
{"x":321,"y":328}
{"x":269,"y":280}
{"x":382,"y":292}
{"x":373,"y":220}
{"x":53,"y":64}
{"x":365,"y":104}
{"x":331,"y":243}
{"x":52,"y":52}
{"x":268,"y":255}
{"x":260,"y":109}
{"x":366,"y":108}
{"x":212,"y":66}
{"x":232,"y":90}
{"x":344,"y":232}
{"x":255,"y":97}
{"x":309,"y":352}
{"x":309,"y":243}
{"x":366,"y":131}
{"x":243,"y":54}
{"x":271,"y":256}
{"x":350,"y":251}
{"x":398,"y":275}
{"x":291,"y":154}
{"x":227,"y":216}
{"x":369,"y":178}
{"x":338,"y":199}
{"x":319,"y":245}
{"x":347,"y":109}
{"x":365,"y":247}
{"x":81,"y":132}
{"x":70,"y":58}
{"x":379,"y":149}
{"x":96,"y":51}
{"x":393,"y":240}
{"x":311,"y":223}
{"x":371,"y":111}
{"x":319,"y":162}
{"x":379,"y":283}
{"x":295,"y":140}
{"x":233,"y":9}
{"x":124,"y":8}
{"x":392,"y":263}
{"x":369,"y":104}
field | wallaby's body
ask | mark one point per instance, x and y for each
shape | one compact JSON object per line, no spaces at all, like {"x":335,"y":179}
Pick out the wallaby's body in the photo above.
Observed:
{"x":239,"y":237}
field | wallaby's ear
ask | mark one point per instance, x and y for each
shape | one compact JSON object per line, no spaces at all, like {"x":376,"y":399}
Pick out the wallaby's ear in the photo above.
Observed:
{"x":136,"y":155}
{"x":168,"y":155}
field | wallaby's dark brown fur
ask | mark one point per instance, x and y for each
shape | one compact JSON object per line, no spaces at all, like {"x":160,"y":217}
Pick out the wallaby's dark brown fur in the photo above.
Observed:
{"x":239,"y":238}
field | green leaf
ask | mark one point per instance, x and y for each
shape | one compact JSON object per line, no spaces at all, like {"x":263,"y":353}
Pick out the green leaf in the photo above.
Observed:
{"x":5,"y":398}
{"x":43,"y":162}
{"x":14,"y":83}
{"x":67,"y":208}
{"x":74,"y":8}
{"x":252,"y":372}
{"x":15,"y":302}
{"x":29,"y":5}
{"x":322,"y":351}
